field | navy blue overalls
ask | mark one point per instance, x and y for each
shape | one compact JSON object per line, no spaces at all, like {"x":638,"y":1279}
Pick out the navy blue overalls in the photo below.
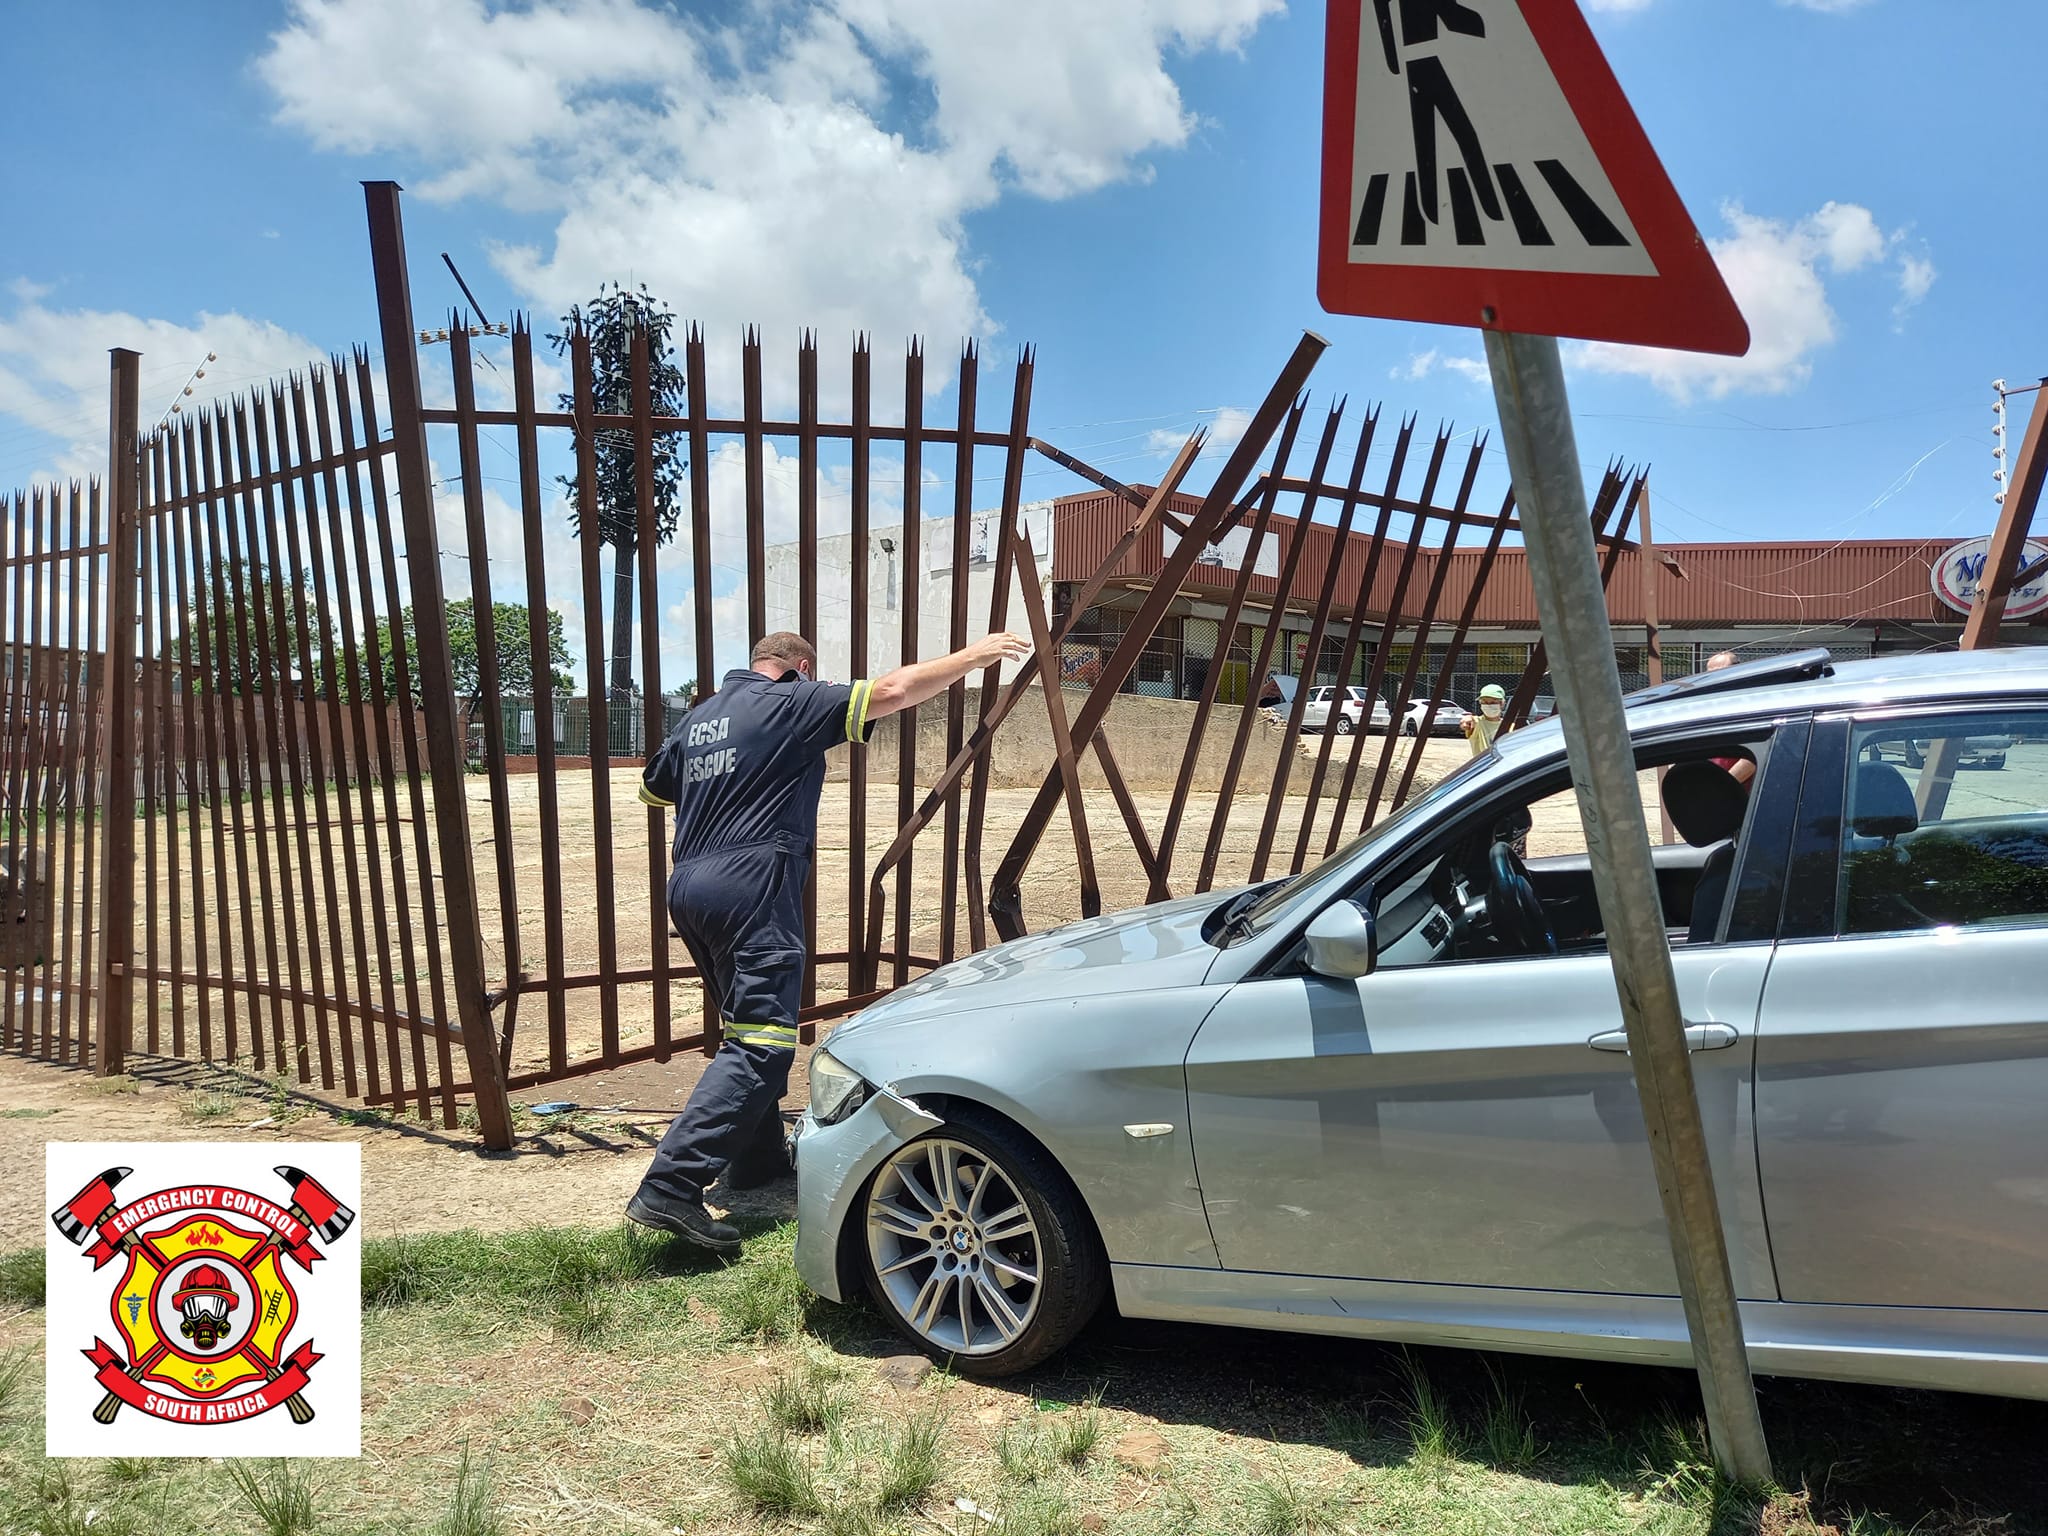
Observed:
{"x":744,"y":770}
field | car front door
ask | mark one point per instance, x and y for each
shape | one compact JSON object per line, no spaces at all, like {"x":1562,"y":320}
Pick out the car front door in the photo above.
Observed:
{"x":1475,"y":1121}
{"x":1902,"y":1060}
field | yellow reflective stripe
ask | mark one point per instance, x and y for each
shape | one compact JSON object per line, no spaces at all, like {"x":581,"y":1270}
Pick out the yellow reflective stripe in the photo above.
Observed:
{"x":762,"y":1034}
{"x":649,"y":797}
{"x":857,"y":709}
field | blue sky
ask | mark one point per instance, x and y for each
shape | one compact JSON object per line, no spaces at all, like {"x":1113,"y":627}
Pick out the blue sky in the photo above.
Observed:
{"x":1132,"y":189}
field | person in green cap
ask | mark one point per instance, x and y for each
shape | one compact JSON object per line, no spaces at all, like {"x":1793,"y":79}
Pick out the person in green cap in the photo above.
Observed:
{"x":1480,"y":729}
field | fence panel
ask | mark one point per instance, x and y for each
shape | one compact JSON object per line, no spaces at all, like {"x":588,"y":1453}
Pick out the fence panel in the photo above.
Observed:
{"x":370,"y":822}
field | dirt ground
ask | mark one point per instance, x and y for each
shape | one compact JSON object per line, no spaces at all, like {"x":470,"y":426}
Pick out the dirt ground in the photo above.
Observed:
{"x":578,"y":1171}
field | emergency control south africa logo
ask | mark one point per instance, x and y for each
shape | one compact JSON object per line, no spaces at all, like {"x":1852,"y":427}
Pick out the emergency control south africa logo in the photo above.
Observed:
{"x":204,"y":1300}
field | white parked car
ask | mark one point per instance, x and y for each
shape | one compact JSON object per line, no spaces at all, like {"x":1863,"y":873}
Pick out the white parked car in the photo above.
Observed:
{"x":1351,"y":714}
{"x":1448,"y":714}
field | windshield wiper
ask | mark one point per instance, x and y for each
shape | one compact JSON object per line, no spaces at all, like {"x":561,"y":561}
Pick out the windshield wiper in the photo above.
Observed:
{"x":1238,"y":910}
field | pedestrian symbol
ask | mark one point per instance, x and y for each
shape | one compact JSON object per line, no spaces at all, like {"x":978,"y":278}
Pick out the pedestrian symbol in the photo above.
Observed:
{"x":1458,"y":167}
{"x":1481,"y":167}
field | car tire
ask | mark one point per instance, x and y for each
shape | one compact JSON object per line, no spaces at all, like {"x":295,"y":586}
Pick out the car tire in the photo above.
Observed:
{"x":1344,"y":726}
{"x":1072,"y":1274}
{"x":1914,"y":757}
{"x":1407,"y":727}
{"x":1995,"y":760}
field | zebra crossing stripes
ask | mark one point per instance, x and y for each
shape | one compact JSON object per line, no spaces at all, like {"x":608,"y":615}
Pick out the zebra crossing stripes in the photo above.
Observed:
{"x":1528,"y":227}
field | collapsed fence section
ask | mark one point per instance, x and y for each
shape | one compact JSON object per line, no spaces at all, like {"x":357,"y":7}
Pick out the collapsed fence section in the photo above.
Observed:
{"x":289,"y":910}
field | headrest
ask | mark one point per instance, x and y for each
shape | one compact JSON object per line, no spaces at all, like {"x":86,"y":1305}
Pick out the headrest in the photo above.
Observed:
{"x":1705,"y":802}
{"x":1881,"y":803}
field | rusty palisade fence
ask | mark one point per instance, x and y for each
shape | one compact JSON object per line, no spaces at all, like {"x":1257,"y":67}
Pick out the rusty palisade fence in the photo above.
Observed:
{"x":271,"y":798}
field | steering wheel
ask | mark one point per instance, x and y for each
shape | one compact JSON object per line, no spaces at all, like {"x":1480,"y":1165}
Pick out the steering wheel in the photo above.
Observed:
{"x":1516,"y":916}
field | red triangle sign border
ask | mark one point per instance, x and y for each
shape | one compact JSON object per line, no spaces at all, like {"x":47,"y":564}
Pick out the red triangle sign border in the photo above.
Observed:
{"x":1685,"y":305}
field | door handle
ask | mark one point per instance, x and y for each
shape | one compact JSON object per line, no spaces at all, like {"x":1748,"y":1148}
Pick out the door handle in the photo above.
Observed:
{"x":1698,"y":1037}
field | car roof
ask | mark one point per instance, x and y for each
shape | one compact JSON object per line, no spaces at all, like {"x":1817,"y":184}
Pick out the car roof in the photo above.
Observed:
{"x":1942,"y":676}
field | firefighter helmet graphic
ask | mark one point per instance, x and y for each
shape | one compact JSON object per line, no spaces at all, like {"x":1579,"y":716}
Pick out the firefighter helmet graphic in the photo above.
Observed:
{"x":204,"y":1307}
{"x":206,"y":1299}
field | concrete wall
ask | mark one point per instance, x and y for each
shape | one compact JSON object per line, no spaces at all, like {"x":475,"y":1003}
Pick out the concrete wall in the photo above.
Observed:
{"x":1148,"y":737}
{"x":887,"y":576}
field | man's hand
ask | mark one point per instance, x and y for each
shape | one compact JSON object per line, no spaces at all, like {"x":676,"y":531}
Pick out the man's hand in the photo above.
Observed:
{"x":1002,"y":646}
{"x":1465,"y":724}
{"x":910,"y":685}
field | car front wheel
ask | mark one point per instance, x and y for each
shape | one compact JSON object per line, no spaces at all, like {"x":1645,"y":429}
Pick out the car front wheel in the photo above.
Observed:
{"x":977,"y":1248}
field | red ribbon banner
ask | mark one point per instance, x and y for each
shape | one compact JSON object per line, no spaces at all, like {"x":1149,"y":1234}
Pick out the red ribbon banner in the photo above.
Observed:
{"x":294,"y":1236}
{"x":113,"y":1377}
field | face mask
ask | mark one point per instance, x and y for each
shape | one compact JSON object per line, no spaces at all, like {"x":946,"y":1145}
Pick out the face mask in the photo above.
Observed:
{"x":1491,"y":711}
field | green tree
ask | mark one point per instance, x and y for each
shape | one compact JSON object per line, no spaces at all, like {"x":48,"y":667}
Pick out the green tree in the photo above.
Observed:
{"x":515,"y":654}
{"x":217,"y":645}
{"x":610,"y":319}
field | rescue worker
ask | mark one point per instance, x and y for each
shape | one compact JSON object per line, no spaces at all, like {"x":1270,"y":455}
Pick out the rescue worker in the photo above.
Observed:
{"x":744,"y":771}
{"x":1480,"y":729}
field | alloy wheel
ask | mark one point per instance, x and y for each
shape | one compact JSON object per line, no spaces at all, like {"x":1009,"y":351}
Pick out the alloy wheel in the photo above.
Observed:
{"x":954,"y":1247}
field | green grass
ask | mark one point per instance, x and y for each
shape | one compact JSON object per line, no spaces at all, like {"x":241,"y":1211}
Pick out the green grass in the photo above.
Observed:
{"x":771,"y":1472}
{"x":806,"y":1401}
{"x":732,"y":1404}
{"x":278,"y":1493}
{"x":13,"y":1366}
{"x":1507,"y":1435}
{"x":1037,"y":1512}
{"x":26,"y":1114}
{"x":203,"y":1106}
{"x":21,"y":1278}
{"x":471,"y":1509}
{"x":913,"y":1463}
{"x":1433,"y":1436}
{"x":1279,"y":1508}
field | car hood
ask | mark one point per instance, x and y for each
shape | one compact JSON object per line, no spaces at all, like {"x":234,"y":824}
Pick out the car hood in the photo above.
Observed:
{"x":1138,"y":950}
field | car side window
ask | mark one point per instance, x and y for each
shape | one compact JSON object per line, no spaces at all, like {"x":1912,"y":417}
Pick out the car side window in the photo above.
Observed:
{"x":1512,"y":880}
{"x":1946,"y":824}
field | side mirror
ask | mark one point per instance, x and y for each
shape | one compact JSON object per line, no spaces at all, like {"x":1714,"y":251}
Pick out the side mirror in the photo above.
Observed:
{"x":1343,"y":941}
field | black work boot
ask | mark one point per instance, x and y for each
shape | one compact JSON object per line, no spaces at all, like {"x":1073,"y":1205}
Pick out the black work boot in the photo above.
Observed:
{"x":687,"y":1219}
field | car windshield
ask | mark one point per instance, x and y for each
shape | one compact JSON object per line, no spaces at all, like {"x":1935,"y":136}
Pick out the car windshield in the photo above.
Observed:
{"x":1273,"y":900}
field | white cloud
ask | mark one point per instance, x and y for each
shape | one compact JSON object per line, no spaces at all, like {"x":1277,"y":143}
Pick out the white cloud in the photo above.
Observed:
{"x":1846,"y":234}
{"x":54,"y":372}
{"x":761,"y":169}
{"x":1421,"y":365}
{"x":1775,"y":270}
{"x":1916,"y":278}
{"x":1226,"y":426}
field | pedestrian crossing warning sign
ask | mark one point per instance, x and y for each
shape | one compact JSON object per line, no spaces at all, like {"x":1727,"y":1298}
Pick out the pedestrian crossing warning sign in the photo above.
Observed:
{"x":1482,"y":167}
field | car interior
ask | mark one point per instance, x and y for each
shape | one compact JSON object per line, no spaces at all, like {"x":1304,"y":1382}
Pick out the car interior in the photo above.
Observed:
{"x":1975,"y":853}
{"x":1474,"y":895}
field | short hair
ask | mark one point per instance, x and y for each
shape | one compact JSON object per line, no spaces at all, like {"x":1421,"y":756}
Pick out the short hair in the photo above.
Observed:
{"x":785,"y":645}
{"x":1719,"y":660}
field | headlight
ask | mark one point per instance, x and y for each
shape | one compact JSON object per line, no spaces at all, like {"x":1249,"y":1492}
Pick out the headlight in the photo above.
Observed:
{"x":836,"y":1090}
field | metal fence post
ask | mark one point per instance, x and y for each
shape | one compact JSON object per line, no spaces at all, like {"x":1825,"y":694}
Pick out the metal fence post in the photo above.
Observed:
{"x":446,"y":749}
{"x":117,"y":759}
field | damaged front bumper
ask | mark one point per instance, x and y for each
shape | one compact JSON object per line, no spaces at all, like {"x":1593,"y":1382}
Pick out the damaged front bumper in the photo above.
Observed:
{"x":833,"y":1166}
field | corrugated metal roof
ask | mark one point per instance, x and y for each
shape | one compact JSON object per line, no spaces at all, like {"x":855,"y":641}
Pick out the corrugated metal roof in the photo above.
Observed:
{"x":1768,"y":583}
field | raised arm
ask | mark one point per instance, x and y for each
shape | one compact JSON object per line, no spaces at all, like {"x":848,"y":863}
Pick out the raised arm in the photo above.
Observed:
{"x":909,"y":686}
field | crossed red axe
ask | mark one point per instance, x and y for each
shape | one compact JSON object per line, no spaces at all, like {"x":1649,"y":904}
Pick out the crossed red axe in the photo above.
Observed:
{"x":87,"y":1212}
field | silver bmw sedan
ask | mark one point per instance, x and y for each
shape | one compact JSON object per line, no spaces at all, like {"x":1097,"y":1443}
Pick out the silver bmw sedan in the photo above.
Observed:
{"x":1390,"y":1096}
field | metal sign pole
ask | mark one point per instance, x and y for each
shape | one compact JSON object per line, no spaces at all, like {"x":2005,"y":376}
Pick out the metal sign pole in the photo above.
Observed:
{"x":1536,"y":425}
